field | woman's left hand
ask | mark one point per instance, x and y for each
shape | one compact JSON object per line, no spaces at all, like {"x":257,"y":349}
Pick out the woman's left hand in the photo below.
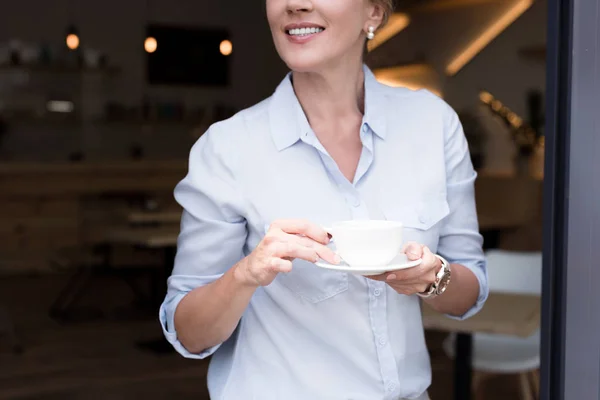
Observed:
{"x":416,"y":279}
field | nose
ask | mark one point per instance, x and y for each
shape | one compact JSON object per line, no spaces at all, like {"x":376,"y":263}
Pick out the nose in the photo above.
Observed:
{"x":299,"y":6}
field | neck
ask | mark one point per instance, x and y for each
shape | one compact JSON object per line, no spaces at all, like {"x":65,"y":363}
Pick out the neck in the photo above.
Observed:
{"x":332,"y":94}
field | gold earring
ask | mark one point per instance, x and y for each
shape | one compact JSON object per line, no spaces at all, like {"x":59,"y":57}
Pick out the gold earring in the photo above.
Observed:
{"x":371,"y":33}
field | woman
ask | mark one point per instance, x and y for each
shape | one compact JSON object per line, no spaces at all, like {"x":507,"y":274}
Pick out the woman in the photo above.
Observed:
{"x":330,"y":144}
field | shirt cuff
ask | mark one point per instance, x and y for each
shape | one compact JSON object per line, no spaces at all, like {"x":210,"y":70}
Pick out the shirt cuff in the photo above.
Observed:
{"x":167,"y":318}
{"x":479,"y":271}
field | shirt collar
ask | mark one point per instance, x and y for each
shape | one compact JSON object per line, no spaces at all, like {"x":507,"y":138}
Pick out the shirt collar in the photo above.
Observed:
{"x":288,"y":121}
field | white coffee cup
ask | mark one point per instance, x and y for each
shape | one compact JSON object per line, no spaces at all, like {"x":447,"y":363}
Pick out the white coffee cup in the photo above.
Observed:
{"x":367,"y":243}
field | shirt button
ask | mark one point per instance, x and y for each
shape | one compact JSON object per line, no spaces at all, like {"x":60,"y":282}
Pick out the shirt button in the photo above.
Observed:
{"x":382,"y":341}
{"x":377,"y":292}
{"x":423,"y":218}
{"x":391,"y":387}
{"x":365,"y":128}
{"x":354,"y":201}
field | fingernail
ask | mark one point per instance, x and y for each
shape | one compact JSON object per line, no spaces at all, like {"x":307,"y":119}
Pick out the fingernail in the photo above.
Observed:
{"x":337,"y":259}
{"x":390,"y":277}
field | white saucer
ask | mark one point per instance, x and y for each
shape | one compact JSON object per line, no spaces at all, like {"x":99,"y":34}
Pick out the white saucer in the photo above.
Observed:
{"x":400,"y":262}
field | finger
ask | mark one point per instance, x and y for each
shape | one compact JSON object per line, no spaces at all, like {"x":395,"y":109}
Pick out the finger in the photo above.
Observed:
{"x":301,"y":240}
{"x":405,"y":275}
{"x":280,"y":265}
{"x":303,"y":227}
{"x":423,"y":274}
{"x":380,"y":277}
{"x":323,"y":251}
{"x":422,"y":287}
{"x":294,"y":250}
{"x":430,"y":261}
{"x":413,"y":250}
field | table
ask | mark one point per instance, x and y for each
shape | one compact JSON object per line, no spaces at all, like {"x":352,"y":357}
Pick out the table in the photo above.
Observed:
{"x":154,"y":217}
{"x":503,"y":313}
{"x":150,"y":237}
{"x":163,"y":237}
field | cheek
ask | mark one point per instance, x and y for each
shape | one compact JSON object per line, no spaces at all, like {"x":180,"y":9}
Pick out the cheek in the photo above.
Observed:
{"x":347,"y":27}
{"x":275,"y":10}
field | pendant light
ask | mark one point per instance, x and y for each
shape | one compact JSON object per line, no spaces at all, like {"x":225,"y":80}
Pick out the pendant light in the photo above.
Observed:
{"x":150,"y":43}
{"x":72,"y":38}
{"x":226,"y":47}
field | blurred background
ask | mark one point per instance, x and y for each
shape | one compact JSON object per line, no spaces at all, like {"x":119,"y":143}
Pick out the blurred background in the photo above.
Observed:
{"x":100,"y":103}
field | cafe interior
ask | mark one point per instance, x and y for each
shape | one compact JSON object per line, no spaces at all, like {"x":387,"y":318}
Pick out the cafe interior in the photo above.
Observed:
{"x":100,"y":103}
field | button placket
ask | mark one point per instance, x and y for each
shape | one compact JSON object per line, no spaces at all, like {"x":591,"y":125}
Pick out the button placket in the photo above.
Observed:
{"x":379,"y":328}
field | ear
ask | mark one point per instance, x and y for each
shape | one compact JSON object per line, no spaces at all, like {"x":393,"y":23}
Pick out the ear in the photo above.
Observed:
{"x":374,"y":15}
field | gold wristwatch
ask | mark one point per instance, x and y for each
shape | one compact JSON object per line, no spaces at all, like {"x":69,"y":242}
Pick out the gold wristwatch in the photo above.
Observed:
{"x":442,"y":279}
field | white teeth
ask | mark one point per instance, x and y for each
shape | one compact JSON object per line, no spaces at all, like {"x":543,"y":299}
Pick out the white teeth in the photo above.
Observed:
{"x":304,"y":31}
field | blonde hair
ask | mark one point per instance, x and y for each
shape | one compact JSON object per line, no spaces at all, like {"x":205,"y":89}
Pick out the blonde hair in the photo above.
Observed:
{"x":388,"y":9}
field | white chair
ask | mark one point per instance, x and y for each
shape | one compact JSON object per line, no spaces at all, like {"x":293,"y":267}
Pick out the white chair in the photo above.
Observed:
{"x":508,"y":272}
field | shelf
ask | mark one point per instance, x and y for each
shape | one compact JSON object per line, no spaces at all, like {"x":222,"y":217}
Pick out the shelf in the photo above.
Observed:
{"x":76,"y":122}
{"x":60,"y":69}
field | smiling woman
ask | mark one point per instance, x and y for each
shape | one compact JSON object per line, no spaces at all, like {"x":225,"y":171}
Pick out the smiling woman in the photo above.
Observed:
{"x":341,"y":27}
{"x":330,"y":145}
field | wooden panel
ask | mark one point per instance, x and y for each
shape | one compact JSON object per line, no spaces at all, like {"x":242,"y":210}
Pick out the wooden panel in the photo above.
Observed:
{"x":45,"y":208}
{"x":19,"y":262}
{"x":517,"y":201}
{"x":35,"y":180}
{"x":32,"y":234}
{"x":33,"y":229}
{"x":24,"y":207}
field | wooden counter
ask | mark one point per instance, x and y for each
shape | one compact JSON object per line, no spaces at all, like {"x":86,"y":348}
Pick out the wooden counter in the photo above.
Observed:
{"x":89,"y":178}
{"x":503,"y":313}
{"x":48,"y":207}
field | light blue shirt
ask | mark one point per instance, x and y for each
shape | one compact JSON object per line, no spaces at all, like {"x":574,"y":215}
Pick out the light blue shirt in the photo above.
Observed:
{"x":315,"y":333}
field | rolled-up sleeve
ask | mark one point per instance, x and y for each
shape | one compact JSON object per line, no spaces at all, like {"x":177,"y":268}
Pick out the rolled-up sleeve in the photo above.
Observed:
{"x":213,"y":229}
{"x":460,"y":240}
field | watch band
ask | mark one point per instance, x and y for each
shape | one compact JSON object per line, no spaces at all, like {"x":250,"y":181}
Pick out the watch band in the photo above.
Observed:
{"x":442,"y":279}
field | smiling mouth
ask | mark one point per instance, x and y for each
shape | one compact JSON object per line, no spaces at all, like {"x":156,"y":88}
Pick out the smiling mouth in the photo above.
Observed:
{"x":300,"y":32}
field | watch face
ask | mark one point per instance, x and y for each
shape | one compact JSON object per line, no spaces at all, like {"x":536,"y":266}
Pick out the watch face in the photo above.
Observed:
{"x":443,"y":283}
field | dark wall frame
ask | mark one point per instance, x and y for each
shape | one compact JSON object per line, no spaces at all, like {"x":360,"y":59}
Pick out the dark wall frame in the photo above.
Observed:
{"x":570,"y":347}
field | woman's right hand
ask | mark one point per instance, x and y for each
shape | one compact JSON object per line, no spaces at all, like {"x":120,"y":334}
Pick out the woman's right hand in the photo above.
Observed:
{"x":285,"y":241}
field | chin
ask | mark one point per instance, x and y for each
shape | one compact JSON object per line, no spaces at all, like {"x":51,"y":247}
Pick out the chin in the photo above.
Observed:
{"x":302,"y":63}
